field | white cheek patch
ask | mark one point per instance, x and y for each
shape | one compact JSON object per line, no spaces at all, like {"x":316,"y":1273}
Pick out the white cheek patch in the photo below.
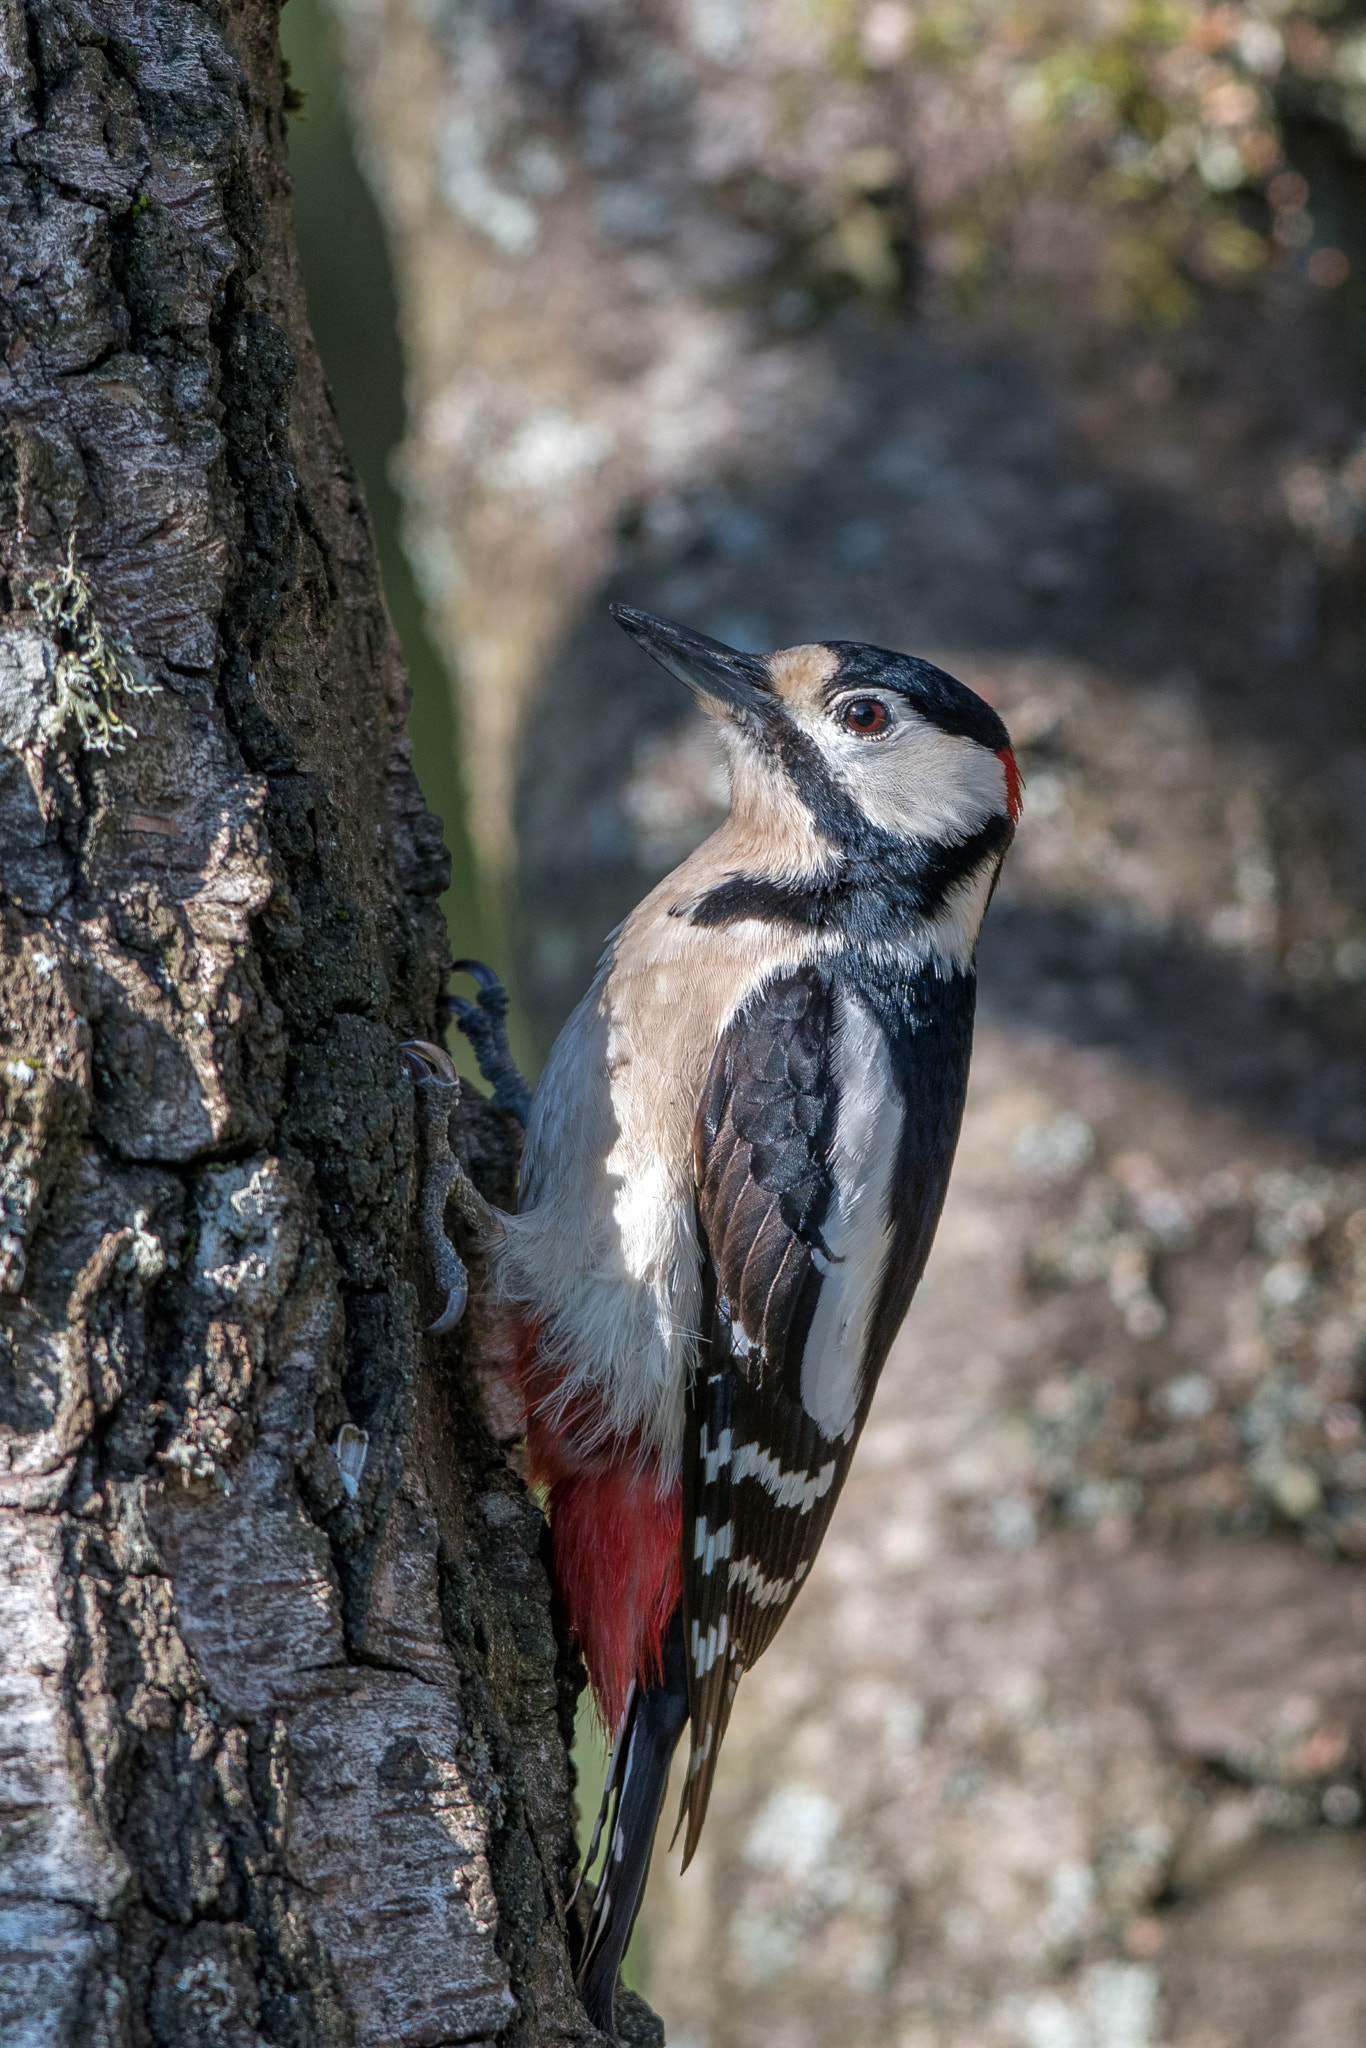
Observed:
{"x":919,"y":784}
{"x":858,"y":1226}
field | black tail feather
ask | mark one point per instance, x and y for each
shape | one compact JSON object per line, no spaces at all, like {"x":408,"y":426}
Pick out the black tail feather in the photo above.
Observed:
{"x":615,"y":1765}
{"x":655,"y":1719}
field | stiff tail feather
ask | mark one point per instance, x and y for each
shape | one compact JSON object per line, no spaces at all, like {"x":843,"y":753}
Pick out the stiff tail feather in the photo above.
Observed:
{"x":655,"y":1718}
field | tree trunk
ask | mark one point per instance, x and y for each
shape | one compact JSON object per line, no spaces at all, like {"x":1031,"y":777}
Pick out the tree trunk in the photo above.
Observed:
{"x":282,"y":1716}
{"x":1062,"y":1746}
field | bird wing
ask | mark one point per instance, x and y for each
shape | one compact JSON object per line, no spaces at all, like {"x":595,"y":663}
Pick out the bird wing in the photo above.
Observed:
{"x":817,"y":1198}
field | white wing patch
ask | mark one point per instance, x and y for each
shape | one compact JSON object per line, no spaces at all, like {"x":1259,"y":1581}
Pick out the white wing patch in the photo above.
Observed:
{"x":858,"y":1225}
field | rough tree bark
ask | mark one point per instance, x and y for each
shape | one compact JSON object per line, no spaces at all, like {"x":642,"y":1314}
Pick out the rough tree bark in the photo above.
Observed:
{"x":1063,"y":1744}
{"x":282,"y":1715}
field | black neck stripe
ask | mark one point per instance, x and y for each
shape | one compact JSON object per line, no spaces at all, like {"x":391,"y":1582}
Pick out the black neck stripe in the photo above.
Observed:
{"x":873,"y":894}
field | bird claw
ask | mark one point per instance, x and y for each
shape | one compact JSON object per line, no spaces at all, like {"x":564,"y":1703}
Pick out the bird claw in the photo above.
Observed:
{"x":484,"y":1023}
{"x":456,"y":1302}
{"x":427,"y":1063}
{"x":433,"y":1075}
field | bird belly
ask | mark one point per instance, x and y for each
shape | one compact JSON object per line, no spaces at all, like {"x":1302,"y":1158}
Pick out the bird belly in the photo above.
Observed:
{"x":614,"y":1289}
{"x":606,"y":1254}
{"x":602,"y":1362}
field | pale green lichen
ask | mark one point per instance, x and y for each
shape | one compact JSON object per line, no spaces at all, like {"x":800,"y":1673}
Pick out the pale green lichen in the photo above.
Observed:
{"x":95,"y":669}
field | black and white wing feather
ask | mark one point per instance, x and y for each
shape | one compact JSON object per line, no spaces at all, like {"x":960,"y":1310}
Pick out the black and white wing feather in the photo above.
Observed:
{"x":818,"y":1190}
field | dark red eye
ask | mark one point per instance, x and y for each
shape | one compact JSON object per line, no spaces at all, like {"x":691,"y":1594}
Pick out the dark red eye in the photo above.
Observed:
{"x":866,"y":716}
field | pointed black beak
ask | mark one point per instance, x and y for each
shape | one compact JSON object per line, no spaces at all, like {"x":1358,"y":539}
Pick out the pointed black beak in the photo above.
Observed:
{"x":739,"y":682}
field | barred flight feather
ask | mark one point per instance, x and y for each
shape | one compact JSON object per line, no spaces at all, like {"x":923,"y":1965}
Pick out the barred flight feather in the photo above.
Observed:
{"x":822,"y":1145}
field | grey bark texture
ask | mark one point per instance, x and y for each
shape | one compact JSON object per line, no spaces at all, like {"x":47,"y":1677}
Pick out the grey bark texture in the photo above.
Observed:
{"x":282,"y":1713}
{"x":797,"y":323}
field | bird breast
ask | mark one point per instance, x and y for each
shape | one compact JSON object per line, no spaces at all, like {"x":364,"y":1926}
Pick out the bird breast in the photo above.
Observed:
{"x":604,"y":1255}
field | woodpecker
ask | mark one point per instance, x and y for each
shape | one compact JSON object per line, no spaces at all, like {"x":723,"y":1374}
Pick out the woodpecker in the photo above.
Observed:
{"x":734,"y":1166}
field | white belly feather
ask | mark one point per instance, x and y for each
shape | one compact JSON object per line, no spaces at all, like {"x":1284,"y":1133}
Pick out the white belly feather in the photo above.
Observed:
{"x":604,"y":1251}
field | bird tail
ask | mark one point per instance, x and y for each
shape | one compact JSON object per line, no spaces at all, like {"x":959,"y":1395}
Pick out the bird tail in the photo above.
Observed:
{"x":655,"y":1718}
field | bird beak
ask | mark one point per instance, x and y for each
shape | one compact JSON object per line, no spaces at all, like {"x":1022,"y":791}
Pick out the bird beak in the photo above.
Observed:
{"x":736,"y":682}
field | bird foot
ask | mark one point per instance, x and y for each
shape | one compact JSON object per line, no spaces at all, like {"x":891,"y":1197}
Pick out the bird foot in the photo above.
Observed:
{"x":484,"y":1023}
{"x":443,"y":1178}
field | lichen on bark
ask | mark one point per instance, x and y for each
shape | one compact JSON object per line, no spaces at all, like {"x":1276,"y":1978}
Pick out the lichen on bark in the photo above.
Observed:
{"x":283,"y":1731}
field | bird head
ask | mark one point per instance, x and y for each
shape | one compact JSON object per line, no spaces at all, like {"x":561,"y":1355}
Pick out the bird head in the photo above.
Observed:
{"x":875,"y":747}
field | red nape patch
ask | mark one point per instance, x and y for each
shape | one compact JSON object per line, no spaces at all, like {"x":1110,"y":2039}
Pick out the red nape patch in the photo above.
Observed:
{"x":1014,"y":783}
{"x":616,"y":1549}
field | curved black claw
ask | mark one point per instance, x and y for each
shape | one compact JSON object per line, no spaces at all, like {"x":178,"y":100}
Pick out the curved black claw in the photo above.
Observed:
{"x":434,"y":1077}
{"x":484,"y":1023}
{"x":427,"y":1063}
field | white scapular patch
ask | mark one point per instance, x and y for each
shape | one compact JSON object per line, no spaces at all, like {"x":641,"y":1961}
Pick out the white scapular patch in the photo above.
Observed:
{"x":787,"y":1489}
{"x":710,"y":1544}
{"x":858,"y":1225}
{"x":765,"y":1592}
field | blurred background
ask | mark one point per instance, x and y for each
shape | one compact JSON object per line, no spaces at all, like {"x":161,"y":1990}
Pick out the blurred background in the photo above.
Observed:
{"x":1031,"y":338}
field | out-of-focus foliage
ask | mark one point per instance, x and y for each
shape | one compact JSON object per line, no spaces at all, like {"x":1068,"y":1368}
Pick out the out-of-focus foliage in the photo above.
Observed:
{"x":1162,"y":117}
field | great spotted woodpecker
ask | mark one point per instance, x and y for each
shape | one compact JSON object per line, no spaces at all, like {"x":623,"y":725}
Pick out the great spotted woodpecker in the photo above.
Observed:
{"x":735,"y":1162}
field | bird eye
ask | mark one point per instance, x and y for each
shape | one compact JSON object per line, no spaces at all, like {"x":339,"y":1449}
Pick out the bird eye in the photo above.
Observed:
{"x":867,"y":717}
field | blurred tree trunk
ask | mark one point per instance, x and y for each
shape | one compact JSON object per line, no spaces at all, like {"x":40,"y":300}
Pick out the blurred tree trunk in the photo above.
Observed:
{"x":282,"y":1719}
{"x":1008,"y":336}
